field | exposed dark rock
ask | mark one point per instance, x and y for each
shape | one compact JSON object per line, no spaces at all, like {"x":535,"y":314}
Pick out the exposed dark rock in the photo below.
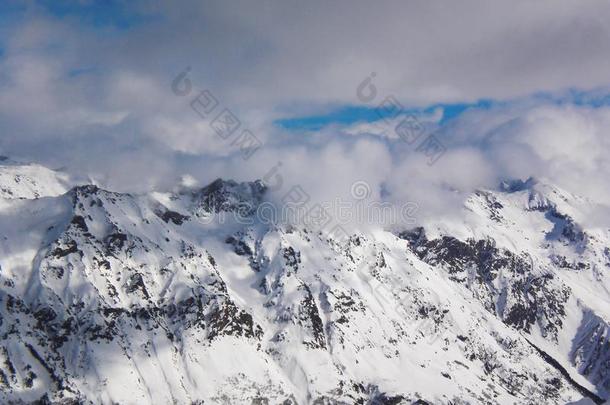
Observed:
{"x":535,"y":299}
{"x":310,"y":317}
{"x":136,"y":283}
{"x":239,"y":246}
{"x":60,"y":251}
{"x":115,"y":242}
{"x":79,"y":222}
{"x":230,"y":196}
{"x":175,"y":217}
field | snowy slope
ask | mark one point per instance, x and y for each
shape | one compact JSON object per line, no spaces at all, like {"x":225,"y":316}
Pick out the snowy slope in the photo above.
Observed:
{"x":18,"y":180}
{"x":175,"y":298}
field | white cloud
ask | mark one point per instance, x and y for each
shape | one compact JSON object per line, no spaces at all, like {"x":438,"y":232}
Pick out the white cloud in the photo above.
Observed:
{"x":99,"y":101}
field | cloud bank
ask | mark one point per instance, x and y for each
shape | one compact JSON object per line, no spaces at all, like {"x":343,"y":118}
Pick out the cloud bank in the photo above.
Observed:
{"x":96,"y":99}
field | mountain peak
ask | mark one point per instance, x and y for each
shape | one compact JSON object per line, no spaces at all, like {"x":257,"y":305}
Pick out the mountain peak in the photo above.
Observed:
{"x":229,"y":196}
{"x":515,"y":185}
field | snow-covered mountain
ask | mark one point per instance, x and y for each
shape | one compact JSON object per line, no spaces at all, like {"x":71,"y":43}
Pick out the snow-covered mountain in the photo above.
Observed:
{"x":163,"y":298}
{"x":19,"y":180}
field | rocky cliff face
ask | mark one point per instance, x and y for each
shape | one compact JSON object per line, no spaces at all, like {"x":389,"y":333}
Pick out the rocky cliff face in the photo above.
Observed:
{"x":119,"y":298}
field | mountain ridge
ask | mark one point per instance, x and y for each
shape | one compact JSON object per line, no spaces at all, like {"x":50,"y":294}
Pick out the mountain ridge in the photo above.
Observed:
{"x":116,"y":297}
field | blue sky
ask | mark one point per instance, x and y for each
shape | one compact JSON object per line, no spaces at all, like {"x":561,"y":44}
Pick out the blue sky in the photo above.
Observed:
{"x":350,"y":114}
{"x":108,"y":13}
